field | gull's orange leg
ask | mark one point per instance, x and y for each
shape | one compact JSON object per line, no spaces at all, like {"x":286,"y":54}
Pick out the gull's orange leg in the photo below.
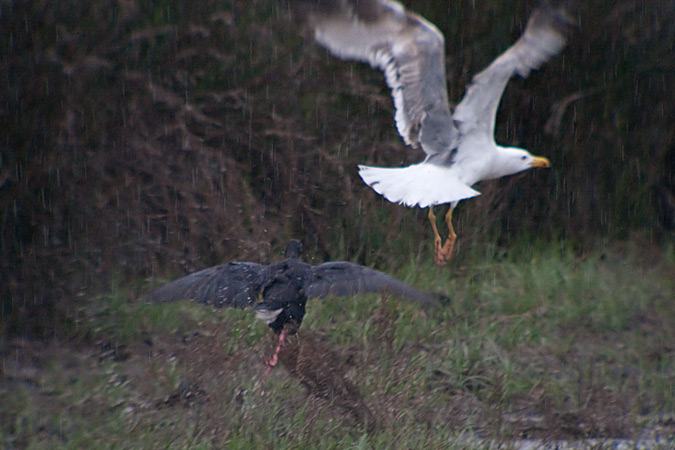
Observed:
{"x":438,"y":258}
{"x":446,"y":251}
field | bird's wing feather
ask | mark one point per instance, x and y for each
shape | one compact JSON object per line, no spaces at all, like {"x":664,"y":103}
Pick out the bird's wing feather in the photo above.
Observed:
{"x":342,"y":278}
{"x":233,"y":284}
{"x":543,"y":37}
{"x":407,"y":48}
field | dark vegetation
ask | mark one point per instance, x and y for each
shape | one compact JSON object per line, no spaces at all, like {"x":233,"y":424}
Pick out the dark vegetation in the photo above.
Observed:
{"x":143,"y":138}
{"x":155,"y":138}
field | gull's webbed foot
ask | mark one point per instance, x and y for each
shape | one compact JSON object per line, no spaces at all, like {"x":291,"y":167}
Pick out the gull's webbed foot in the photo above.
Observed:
{"x":442,"y":254}
{"x":440,"y":257}
{"x":438,"y":249}
{"x":446,"y":251}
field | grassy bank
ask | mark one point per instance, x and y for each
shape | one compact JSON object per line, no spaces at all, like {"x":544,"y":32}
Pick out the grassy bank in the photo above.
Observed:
{"x":543,"y":342}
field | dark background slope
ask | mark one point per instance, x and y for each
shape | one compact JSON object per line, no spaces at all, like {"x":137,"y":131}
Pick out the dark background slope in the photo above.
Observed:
{"x":159,"y":137}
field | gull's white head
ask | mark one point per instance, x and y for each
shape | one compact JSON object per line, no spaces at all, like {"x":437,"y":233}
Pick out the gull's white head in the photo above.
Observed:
{"x":511,"y":160}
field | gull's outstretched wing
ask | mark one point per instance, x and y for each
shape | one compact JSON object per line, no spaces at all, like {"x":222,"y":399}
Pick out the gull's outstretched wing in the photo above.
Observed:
{"x":406,"y":47}
{"x":234,"y":284}
{"x":544,"y":37}
{"x":342,"y":278}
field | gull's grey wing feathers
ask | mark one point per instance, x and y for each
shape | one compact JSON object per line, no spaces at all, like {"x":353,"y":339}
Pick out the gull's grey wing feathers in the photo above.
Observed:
{"x":408,"y":49}
{"x":342,"y":278}
{"x":544,"y":37}
{"x":234,"y":284}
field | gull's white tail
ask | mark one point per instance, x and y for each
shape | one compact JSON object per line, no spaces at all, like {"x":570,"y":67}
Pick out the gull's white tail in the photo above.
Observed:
{"x":419,"y":184}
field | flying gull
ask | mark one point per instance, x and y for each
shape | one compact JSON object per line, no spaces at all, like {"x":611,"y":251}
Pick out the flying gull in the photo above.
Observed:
{"x":459,"y":146}
{"x":279,"y":292}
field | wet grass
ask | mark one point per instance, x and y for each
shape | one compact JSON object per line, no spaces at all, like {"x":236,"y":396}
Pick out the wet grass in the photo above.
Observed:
{"x":542,"y":343}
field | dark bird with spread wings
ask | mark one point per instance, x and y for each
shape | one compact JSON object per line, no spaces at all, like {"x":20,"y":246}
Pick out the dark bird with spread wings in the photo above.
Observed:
{"x":279,"y":292}
{"x":459,"y":146}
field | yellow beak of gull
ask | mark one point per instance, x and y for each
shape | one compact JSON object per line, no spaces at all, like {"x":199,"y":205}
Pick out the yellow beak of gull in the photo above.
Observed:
{"x":540,"y":162}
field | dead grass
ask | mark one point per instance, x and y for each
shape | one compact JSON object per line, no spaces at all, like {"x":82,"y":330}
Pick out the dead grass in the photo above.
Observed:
{"x":527,"y":349}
